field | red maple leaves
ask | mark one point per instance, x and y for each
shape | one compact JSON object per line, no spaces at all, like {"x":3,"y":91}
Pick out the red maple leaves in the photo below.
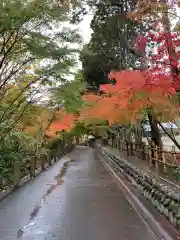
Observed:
{"x":64,"y":121}
{"x":133,"y":91}
{"x":161,"y":51}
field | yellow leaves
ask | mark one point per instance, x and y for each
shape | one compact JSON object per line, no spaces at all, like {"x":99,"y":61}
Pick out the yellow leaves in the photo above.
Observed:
{"x":30,"y":67}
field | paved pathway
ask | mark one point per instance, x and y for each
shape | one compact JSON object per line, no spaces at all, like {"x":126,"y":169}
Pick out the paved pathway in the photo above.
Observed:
{"x":87,"y":206}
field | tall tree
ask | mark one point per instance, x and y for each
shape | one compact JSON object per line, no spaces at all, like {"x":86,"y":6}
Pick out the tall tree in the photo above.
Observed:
{"x":160,"y":13}
{"x":32,"y":53}
{"x":111,"y":40}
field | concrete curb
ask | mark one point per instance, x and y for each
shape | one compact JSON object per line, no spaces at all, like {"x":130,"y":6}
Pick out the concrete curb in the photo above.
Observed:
{"x":149,"y":220}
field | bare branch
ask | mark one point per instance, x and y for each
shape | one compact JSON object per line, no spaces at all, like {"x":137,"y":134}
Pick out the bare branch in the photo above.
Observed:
{"x":2,"y":119}
{"x":169,"y":135}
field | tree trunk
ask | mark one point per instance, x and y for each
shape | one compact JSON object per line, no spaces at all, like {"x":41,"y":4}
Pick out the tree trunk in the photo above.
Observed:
{"x":77,"y":140}
{"x":155,"y":133}
{"x":138,"y":133}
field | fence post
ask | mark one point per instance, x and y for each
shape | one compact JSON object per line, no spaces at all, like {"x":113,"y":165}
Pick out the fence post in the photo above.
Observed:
{"x":55,"y":156}
{"x":58,"y":152}
{"x":49,"y":159}
{"x":33,"y":167}
{"x":127,"y":148}
{"x":132,"y":149}
{"x":42,"y":159}
{"x":150,"y":154}
{"x":156,"y":159}
{"x":77,"y":140}
{"x":174,"y":155}
{"x":143,"y":150}
{"x":112,"y":142}
{"x":139,"y":150}
{"x":164,"y":162}
{"x":71,"y":144}
{"x":17,"y":173}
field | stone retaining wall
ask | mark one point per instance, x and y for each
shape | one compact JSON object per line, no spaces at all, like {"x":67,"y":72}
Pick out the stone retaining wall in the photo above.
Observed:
{"x":164,"y":196}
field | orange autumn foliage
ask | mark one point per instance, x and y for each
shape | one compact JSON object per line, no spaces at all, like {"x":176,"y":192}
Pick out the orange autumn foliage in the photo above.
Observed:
{"x":63,"y":121}
{"x":133,"y":91}
{"x":123,"y":102}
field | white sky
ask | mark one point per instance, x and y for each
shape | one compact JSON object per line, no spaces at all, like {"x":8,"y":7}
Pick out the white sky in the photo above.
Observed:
{"x":85,"y":29}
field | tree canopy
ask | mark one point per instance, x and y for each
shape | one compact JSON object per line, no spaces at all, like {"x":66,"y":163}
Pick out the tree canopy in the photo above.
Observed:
{"x":110,"y":47}
{"x":35,"y":55}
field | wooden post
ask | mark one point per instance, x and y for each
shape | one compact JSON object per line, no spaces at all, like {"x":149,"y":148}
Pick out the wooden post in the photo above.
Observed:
{"x":150,"y":156}
{"x":77,"y":140}
{"x":33,"y":167}
{"x":173,"y":149}
{"x":174,"y":155}
{"x":118,"y":144}
{"x":55,"y":157}
{"x":42,"y":159}
{"x":140,"y":150}
{"x":59,"y":151}
{"x":49,"y":159}
{"x":143,"y":151}
{"x":52,"y":157}
{"x":132,"y":148}
{"x":156,"y":159}
{"x":71,"y":145}
{"x":114,"y":143}
{"x":164,"y":163}
{"x":17,"y":173}
{"x":127,"y":148}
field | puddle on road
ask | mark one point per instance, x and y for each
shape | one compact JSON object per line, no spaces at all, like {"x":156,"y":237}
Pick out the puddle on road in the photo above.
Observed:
{"x":59,"y":180}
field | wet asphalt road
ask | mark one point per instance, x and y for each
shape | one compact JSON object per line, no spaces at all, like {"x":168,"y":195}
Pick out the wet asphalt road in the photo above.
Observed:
{"x":87,"y":205}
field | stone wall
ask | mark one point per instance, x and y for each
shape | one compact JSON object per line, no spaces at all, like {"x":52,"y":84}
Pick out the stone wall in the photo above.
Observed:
{"x":165,"y":196}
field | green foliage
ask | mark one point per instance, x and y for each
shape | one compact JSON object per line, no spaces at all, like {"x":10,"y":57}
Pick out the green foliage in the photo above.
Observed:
{"x":54,"y":143}
{"x":35,"y":54}
{"x":177,"y":174}
{"x":79,"y":130}
{"x":93,"y":73}
{"x":15,"y":146}
{"x":69,"y":94}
